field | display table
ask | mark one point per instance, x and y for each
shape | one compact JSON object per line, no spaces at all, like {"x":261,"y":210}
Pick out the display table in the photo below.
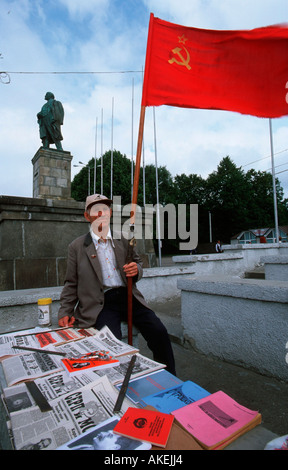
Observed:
{"x":255,"y":439}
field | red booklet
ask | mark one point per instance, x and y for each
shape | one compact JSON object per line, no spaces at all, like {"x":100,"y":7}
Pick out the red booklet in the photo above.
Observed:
{"x":96,"y":360}
{"x":145,"y":425}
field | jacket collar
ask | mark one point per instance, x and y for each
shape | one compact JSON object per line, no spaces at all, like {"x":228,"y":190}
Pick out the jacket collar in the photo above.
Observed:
{"x":88,"y":240}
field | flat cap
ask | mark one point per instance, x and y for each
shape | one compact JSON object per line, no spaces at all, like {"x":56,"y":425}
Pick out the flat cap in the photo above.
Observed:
{"x":97,"y":198}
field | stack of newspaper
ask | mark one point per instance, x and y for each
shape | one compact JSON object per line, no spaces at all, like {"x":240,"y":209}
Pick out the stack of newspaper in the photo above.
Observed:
{"x":47,"y":408}
{"x":77,"y":404}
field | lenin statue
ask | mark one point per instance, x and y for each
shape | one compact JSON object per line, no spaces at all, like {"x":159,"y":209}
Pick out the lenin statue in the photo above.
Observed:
{"x":50,"y":119}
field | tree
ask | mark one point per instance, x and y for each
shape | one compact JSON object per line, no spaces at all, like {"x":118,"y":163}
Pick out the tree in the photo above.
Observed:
{"x":236,"y":200}
{"x":261,"y":197}
{"x":240,"y":201}
{"x":165,"y":185}
{"x":227,"y":198}
{"x":121,"y":178}
{"x":191,"y":189}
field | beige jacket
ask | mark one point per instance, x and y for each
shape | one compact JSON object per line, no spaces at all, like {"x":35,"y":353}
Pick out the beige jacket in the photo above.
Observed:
{"x":82,"y":295}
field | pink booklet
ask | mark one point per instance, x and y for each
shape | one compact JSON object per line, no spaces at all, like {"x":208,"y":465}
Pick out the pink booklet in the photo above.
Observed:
{"x":216,"y":420}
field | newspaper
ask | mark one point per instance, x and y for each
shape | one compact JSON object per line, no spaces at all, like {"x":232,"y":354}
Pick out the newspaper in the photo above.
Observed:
{"x":114,"y":345}
{"x":32,"y":365}
{"x":7,"y":340}
{"x":55,"y":385}
{"x":73,"y":414}
{"x":61,"y":335}
{"x":29,"y":366}
{"x":143,"y":365}
{"x":103,"y":339}
{"x":17,"y":398}
{"x":40,"y":338}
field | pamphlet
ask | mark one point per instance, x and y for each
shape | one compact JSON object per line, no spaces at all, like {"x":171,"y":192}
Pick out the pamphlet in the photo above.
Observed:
{"x":97,"y":360}
{"x":176,"y":397}
{"x":145,"y":425}
{"x":215,"y":421}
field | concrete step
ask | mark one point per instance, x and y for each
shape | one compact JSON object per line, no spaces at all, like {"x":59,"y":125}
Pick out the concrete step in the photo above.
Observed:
{"x":169,"y":313}
{"x":256,"y":273}
{"x":173,"y":326}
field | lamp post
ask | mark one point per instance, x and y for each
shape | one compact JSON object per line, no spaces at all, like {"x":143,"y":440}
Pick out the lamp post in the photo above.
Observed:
{"x":89,"y":169}
{"x":210,"y":228}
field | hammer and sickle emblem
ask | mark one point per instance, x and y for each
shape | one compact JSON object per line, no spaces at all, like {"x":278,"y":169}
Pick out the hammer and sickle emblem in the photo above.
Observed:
{"x":183,"y":61}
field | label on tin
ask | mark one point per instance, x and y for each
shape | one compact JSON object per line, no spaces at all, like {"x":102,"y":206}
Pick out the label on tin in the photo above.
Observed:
{"x":44,"y":316}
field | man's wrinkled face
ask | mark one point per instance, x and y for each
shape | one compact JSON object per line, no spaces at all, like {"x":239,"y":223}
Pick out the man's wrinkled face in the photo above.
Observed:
{"x":99,"y":217}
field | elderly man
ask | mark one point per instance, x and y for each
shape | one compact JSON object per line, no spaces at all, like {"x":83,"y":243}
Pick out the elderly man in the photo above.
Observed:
{"x":95,"y":290}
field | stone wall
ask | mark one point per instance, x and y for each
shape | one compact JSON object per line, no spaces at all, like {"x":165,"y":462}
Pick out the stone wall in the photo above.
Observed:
{"x":234,"y":261}
{"x":275,"y":267}
{"x":18,"y":308}
{"x":242,"y":321}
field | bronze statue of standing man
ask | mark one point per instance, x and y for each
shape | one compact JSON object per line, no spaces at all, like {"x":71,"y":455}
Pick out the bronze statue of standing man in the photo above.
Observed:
{"x":50,"y":120}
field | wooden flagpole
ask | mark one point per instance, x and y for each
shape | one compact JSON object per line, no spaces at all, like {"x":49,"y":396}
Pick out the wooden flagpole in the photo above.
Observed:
{"x":132,"y":219}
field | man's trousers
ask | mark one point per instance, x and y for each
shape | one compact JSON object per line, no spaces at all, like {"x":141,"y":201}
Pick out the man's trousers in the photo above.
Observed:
{"x":149,"y":325}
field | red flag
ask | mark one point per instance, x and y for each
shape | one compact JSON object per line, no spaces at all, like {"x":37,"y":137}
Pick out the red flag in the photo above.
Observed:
{"x":242,"y":71}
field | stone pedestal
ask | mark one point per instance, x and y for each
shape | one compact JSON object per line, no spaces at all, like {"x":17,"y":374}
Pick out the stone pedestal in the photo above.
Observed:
{"x":52,"y":174}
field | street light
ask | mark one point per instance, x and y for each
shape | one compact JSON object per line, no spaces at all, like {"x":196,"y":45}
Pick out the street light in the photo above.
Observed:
{"x":101,"y":166}
{"x":87,"y":165}
{"x":210,"y":227}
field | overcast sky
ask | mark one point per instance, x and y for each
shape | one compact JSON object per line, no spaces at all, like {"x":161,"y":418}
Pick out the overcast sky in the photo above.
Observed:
{"x":107,"y":40}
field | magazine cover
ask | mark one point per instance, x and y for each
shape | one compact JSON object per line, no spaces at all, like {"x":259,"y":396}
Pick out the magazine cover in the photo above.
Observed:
{"x":176,"y":397}
{"x":95,"y":360}
{"x":216,"y":420}
{"x":102,"y":437}
{"x":146,"y":425}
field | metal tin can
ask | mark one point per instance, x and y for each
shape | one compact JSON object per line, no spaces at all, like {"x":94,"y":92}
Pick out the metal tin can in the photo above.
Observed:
{"x":44,"y":312}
